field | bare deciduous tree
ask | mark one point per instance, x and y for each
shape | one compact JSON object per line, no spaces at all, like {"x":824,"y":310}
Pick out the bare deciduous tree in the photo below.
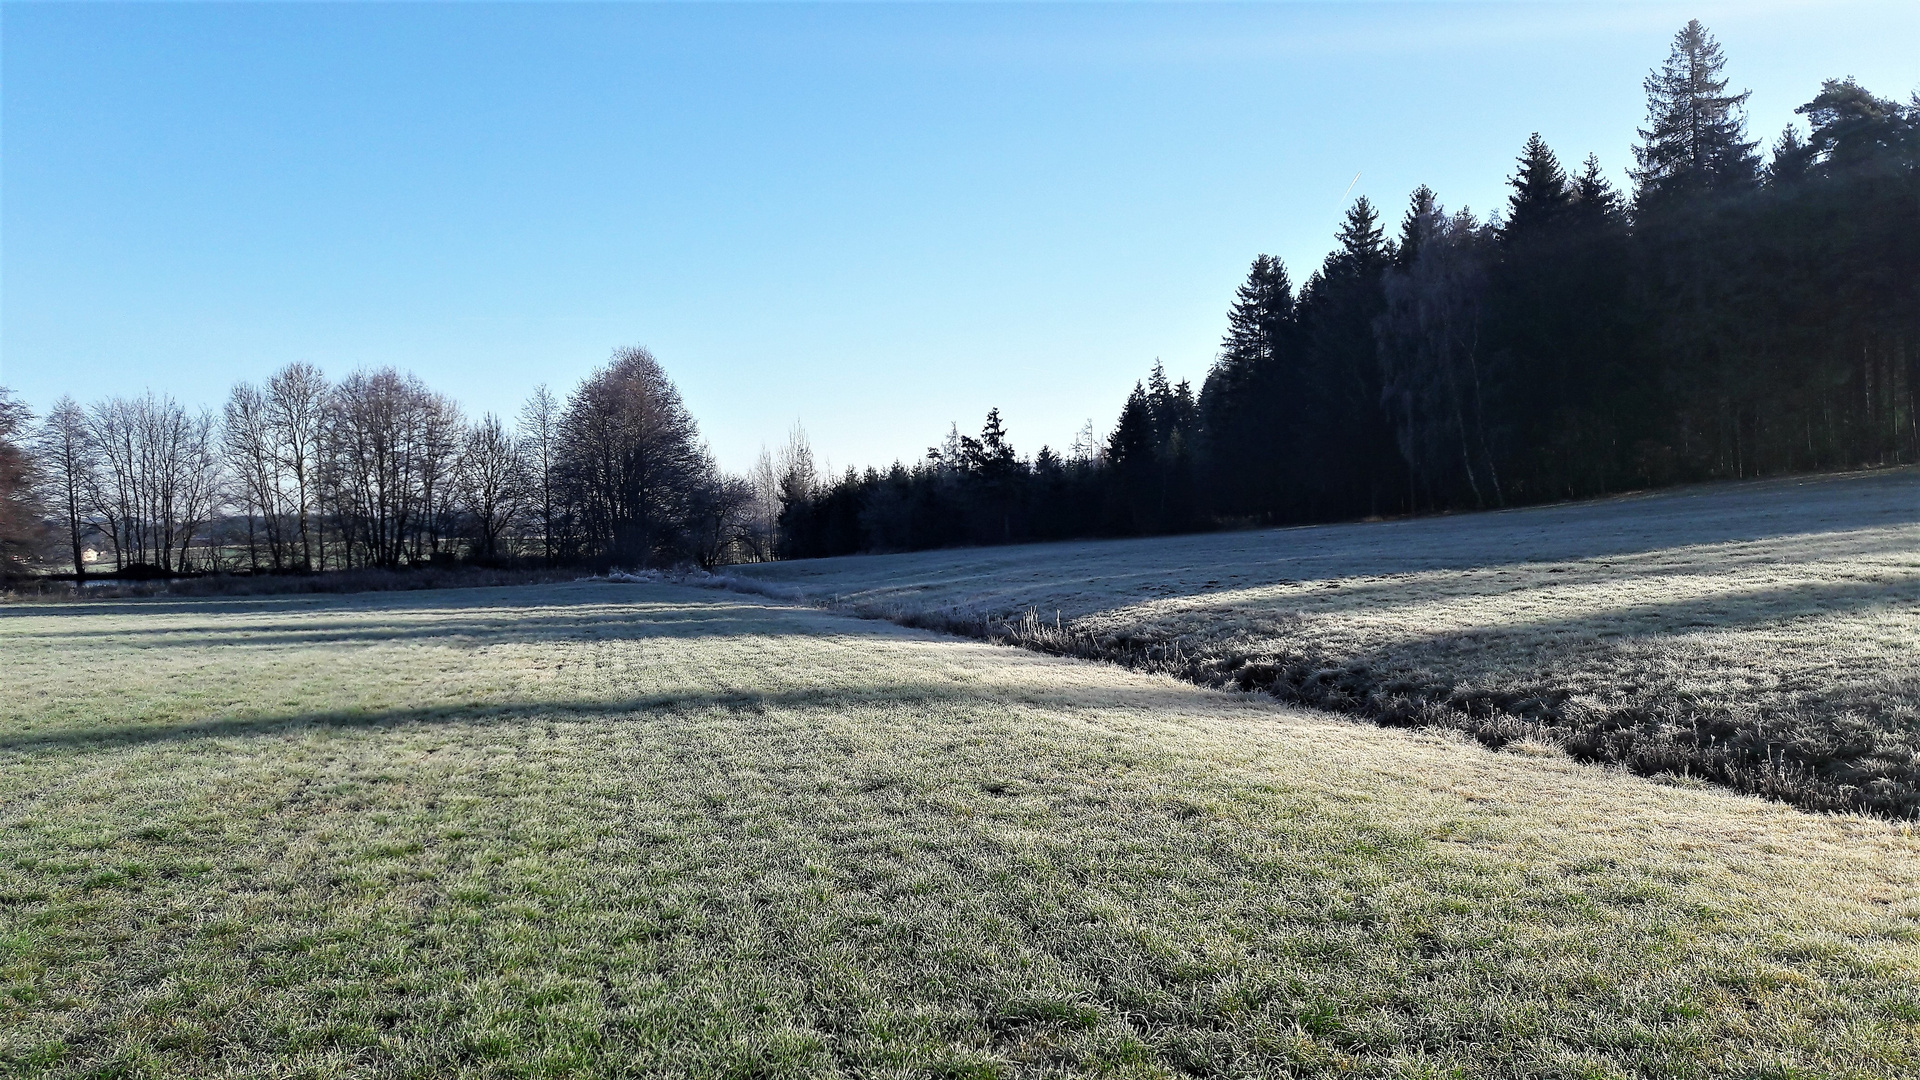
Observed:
{"x":721,"y":525}
{"x":297,"y":397}
{"x":160,"y":481}
{"x":764,"y":484}
{"x":379,"y":470}
{"x":195,"y":484}
{"x":492,"y":484}
{"x":539,"y":433}
{"x":255,"y":461}
{"x":442,"y":437}
{"x":375,"y":423}
{"x":67,"y":470}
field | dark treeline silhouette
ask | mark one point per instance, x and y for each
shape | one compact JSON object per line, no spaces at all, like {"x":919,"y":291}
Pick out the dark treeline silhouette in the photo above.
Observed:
{"x":376,"y":470}
{"x":1725,"y":319}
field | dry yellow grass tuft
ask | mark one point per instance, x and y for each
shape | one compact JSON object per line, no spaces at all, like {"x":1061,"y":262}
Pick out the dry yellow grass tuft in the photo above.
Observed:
{"x":603,"y":829}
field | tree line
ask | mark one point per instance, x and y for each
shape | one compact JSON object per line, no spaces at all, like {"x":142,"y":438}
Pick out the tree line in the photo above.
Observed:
{"x":303,"y":474}
{"x":1728,"y":317}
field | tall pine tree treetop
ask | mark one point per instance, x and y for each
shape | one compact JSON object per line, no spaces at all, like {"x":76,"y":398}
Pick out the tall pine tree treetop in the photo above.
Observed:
{"x":1595,"y":202}
{"x":1172,"y":406}
{"x":1157,"y":386}
{"x":1363,"y":252}
{"x":991,"y":456}
{"x":1363,"y":242}
{"x":1131,"y":443}
{"x":1261,"y":311}
{"x":1540,"y":198}
{"x":1422,"y":222}
{"x":1695,"y":139}
{"x":1792,"y":157}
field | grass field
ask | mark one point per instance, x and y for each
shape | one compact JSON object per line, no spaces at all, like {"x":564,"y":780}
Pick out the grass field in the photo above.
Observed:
{"x":1765,"y":635}
{"x":600,"y":829}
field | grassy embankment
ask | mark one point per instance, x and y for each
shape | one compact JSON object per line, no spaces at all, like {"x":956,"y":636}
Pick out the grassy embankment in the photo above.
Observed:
{"x":1764,"y":635}
{"x":594,"y":829}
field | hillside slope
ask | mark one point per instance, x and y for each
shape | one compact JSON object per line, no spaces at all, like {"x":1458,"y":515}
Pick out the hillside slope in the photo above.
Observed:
{"x":1765,"y":635}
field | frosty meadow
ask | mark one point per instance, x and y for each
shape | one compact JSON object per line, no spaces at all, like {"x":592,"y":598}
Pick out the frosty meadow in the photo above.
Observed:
{"x":1483,"y":644}
{"x":594,"y":828}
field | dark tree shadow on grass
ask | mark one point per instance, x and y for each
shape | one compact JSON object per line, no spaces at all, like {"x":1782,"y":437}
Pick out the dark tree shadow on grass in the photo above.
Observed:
{"x":67,"y":740}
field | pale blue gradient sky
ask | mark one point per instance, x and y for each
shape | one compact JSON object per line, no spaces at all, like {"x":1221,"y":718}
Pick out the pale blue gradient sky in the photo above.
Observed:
{"x":873,"y":220}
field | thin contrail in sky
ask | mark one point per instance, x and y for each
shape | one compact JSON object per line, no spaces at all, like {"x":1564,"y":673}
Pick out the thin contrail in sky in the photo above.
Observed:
{"x":1350,"y":183}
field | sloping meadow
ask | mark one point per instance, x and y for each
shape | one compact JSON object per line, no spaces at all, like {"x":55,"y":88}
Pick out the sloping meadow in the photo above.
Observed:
{"x":1765,"y":636}
{"x":609,"y":829}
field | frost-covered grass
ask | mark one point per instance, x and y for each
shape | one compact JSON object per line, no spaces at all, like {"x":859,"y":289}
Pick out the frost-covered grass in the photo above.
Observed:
{"x":1766,"y":635}
{"x":599,"y":829}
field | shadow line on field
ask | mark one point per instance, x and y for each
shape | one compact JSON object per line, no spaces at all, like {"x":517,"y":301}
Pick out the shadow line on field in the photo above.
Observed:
{"x":722,"y":619}
{"x":107,"y":738}
{"x":489,"y":596}
{"x":1643,"y":620}
{"x":370,"y":604}
{"x":1652,"y":623}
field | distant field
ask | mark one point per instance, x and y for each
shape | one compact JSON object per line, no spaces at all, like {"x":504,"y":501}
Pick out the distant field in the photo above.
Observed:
{"x":599,"y":829}
{"x":1765,"y":635}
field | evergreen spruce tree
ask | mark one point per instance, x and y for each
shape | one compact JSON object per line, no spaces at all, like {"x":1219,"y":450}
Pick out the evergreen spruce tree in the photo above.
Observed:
{"x":1595,"y":204}
{"x":1363,"y":241}
{"x":1134,"y":467}
{"x":1540,"y":199}
{"x":1160,"y":402}
{"x":992,"y":455}
{"x":1244,"y":417}
{"x":991,"y":480}
{"x":1345,"y":458}
{"x":1181,"y":414}
{"x":1694,"y":168}
{"x":1172,"y":407}
{"x":1423,"y":221}
{"x":1552,"y":332}
{"x":1257,"y":322}
{"x":1132,"y":442}
{"x":1695,"y":139}
{"x":1791,"y":160}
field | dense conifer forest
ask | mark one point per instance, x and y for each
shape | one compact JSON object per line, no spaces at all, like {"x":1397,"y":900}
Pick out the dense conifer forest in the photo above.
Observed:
{"x":1733,"y":315}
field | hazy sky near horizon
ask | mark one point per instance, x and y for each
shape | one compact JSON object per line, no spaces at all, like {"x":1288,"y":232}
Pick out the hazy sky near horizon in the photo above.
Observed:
{"x":871,"y":219}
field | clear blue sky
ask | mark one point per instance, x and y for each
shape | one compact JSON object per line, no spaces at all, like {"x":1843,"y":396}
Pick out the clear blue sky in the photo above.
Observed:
{"x":872,"y":219}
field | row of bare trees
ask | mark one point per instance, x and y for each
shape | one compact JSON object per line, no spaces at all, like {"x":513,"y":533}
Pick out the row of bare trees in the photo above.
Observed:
{"x":377,"y":469}
{"x":143,"y":476}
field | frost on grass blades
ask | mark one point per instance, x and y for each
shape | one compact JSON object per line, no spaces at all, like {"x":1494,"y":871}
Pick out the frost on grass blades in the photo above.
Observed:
{"x":1761,"y":635}
{"x":598,"y":829}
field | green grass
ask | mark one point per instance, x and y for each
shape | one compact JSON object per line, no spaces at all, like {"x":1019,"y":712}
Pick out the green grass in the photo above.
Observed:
{"x":1764,"y":635}
{"x":608,"y":830}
